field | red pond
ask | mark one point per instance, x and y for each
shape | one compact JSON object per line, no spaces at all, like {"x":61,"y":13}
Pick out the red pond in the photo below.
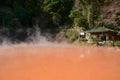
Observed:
{"x":59,"y":62}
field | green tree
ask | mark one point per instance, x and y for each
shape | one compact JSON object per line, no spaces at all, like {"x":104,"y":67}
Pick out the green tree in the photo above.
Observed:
{"x":58,"y":10}
{"x":86,"y":13}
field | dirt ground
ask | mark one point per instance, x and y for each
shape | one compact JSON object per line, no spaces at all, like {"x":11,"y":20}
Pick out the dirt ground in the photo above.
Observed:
{"x":59,"y":62}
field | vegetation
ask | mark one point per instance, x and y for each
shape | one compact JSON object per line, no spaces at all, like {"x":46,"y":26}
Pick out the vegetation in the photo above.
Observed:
{"x":72,"y":34}
{"x":50,"y":15}
{"x":95,"y":39}
{"x":117,"y":43}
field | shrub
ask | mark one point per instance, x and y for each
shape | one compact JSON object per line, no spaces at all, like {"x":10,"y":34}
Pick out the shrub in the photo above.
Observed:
{"x":72,"y":34}
{"x":117,"y":43}
{"x":109,"y":43}
{"x":95,"y":39}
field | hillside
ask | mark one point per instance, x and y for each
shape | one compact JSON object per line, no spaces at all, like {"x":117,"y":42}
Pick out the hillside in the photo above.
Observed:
{"x":111,"y":14}
{"x":20,"y":18}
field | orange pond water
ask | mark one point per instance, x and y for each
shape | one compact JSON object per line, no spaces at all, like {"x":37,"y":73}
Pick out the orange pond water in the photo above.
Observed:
{"x":59,"y":62}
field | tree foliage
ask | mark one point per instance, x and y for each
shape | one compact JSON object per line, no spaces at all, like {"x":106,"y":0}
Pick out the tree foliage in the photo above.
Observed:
{"x":58,"y":9}
{"x":87,"y":14}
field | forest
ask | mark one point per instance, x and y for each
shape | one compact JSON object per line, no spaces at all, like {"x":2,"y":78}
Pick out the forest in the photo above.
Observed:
{"x":18,"y":18}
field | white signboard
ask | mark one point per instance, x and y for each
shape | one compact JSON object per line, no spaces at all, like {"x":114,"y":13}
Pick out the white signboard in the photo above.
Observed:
{"x":82,"y":33}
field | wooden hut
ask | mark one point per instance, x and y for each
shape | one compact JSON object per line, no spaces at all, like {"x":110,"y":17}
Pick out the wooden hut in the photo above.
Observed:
{"x":105,"y":34}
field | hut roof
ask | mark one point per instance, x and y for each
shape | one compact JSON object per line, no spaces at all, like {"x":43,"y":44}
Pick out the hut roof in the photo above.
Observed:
{"x":100,"y":29}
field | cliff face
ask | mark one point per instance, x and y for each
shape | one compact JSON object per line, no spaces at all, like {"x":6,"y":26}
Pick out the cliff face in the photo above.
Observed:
{"x":111,"y":14}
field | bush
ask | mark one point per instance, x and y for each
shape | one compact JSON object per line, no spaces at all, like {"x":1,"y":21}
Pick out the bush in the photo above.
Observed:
{"x":72,"y":35}
{"x":117,"y":43}
{"x":95,"y":39}
{"x":109,"y":43}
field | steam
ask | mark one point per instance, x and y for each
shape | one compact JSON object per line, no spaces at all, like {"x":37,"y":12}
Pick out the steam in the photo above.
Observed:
{"x":37,"y":38}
